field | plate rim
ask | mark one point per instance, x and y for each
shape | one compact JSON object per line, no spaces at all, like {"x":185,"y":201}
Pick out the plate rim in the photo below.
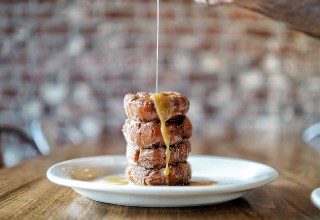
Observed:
{"x":315,"y":197}
{"x":160,"y":190}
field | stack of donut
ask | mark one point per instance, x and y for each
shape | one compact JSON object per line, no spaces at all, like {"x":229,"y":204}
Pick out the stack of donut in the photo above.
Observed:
{"x":146,"y":150}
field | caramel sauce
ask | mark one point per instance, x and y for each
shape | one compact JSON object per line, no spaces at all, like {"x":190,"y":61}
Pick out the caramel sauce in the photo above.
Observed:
{"x":201,"y":183}
{"x":117,"y":180}
{"x":164,"y":110}
{"x":120,"y":180}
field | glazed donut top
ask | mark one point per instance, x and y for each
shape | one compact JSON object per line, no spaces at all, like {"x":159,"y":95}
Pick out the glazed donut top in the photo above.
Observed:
{"x":140,"y":106}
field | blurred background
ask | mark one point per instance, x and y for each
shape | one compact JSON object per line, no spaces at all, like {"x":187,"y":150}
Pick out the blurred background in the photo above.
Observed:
{"x":68,"y":65}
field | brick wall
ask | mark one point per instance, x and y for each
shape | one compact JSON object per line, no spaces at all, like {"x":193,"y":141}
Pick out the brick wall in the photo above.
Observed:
{"x":73,"y":61}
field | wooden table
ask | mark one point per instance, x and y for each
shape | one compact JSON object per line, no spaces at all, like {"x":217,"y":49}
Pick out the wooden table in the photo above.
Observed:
{"x":25,"y":192}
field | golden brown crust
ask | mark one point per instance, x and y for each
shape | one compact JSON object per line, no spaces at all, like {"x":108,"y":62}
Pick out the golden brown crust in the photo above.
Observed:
{"x":140,"y":106}
{"x":180,"y":174}
{"x":156,"y":157}
{"x":147,"y":134}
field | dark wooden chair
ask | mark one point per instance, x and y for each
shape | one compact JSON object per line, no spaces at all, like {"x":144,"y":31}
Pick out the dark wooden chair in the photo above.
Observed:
{"x":23,"y":139}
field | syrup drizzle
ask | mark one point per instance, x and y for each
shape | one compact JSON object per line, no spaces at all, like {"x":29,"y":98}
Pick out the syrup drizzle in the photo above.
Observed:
{"x":117,"y":180}
{"x":164,"y":110}
{"x":201,"y":183}
{"x":157,"y":53}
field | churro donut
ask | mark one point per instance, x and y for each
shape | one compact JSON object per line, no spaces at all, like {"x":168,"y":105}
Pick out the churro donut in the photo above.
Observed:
{"x":146,"y":134}
{"x":180,"y":174}
{"x":140,"y":106}
{"x":156,"y":157}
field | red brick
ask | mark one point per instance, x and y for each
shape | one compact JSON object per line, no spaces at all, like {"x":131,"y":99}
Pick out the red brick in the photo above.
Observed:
{"x":244,"y":15}
{"x":123,"y":14}
{"x":206,"y":12}
{"x":4,"y":107}
{"x":38,"y":14}
{"x":288,"y":49}
{"x":18,"y":61}
{"x":213,"y":29}
{"x":181,"y":2}
{"x":10,"y":92}
{"x":208,"y":45}
{"x":88,"y":30}
{"x":12,"y":1}
{"x":242,"y":46}
{"x":7,"y":30}
{"x":46,"y":27}
{"x":167,"y":44}
{"x":258,"y":32}
{"x":291,"y":34}
{"x":78,"y":77}
{"x":5,"y":76}
{"x":195,"y":76}
{"x":163,"y":14}
{"x":260,"y":95}
{"x":47,"y":1}
{"x":34,"y":78}
{"x":176,"y":29}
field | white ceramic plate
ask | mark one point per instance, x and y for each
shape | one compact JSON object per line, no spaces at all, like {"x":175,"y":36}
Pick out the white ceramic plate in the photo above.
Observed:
{"x":235,"y":178}
{"x":315,"y":197}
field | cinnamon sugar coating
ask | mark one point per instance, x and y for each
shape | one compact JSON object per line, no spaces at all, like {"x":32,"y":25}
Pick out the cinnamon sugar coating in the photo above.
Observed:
{"x":147,"y":134}
{"x":140,"y":106}
{"x":155,"y":157}
{"x":180,"y":174}
{"x":146,"y":150}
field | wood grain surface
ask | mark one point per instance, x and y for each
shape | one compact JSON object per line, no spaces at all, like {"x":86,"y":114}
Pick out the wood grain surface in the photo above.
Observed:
{"x":26,"y":193}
